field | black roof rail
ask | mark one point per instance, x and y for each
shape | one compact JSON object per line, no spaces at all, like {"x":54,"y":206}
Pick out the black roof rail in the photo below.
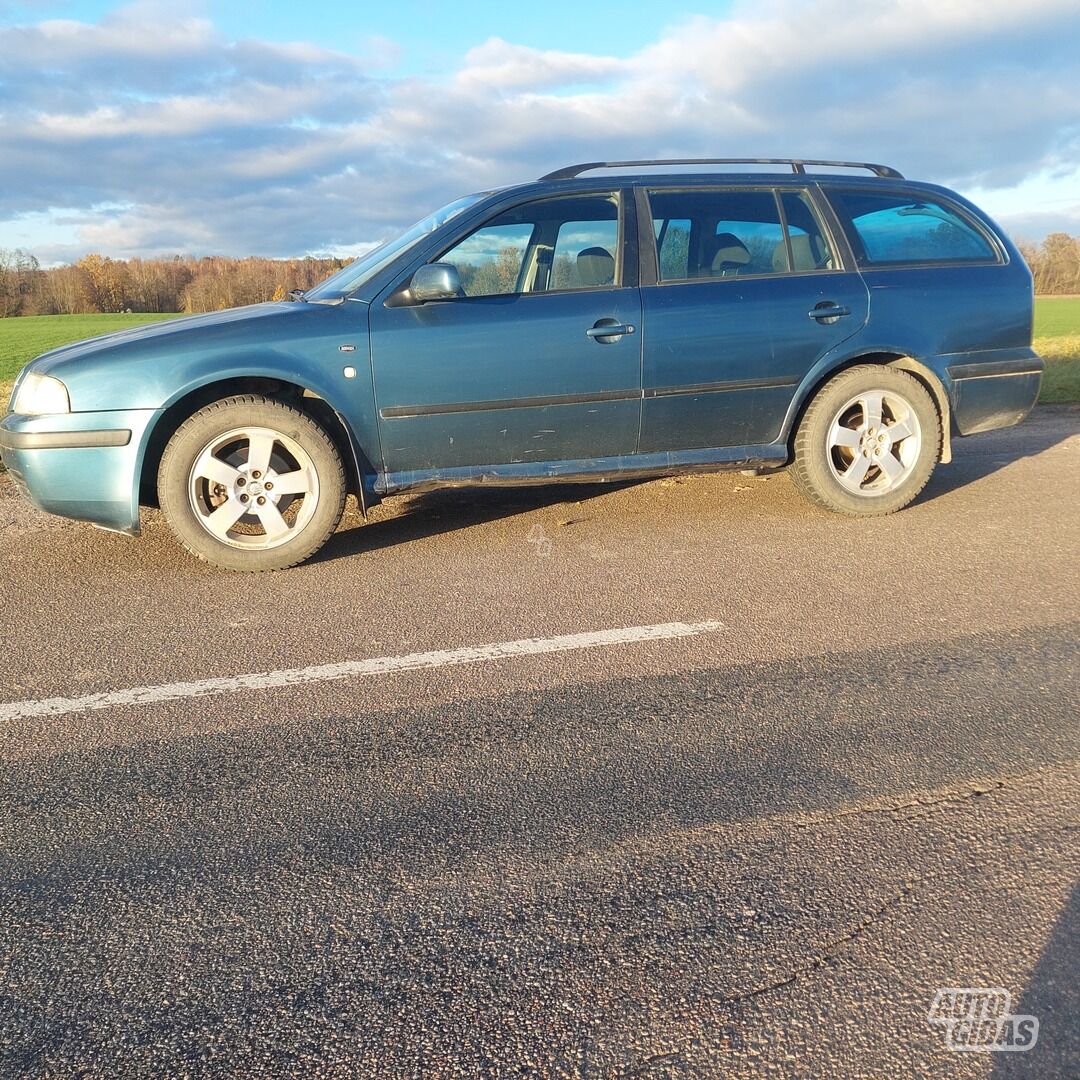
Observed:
{"x":798,"y":165}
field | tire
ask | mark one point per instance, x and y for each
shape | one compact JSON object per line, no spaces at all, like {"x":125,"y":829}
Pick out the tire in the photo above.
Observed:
{"x":250,"y":484}
{"x":868,"y":442}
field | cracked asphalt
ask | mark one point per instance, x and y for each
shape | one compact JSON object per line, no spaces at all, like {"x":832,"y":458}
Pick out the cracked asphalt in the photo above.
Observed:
{"x":754,"y":853}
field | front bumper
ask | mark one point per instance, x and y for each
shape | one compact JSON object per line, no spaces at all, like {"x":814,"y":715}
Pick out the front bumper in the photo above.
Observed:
{"x":79,"y":465}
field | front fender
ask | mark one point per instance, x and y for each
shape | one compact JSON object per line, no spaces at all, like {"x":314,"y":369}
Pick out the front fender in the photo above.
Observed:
{"x":352,"y":404}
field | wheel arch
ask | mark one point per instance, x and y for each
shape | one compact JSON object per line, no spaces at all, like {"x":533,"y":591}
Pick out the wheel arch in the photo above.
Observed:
{"x":307,"y":400}
{"x":930,"y":380}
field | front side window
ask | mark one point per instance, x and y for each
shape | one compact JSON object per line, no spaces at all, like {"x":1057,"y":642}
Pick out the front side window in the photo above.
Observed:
{"x":489,"y":261}
{"x":706,"y":234}
{"x":585,"y":254}
{"x":894,"y":228}
{"x":550,"y":245}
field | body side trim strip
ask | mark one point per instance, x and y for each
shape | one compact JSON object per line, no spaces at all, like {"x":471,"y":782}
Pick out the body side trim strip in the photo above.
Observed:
{"x":397,"y":412}
{"x":720,"y":387}
{"x":1025,"y":366}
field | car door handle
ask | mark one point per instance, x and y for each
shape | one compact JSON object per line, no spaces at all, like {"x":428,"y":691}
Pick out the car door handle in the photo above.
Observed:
{"x":606,"y":330}
{"x":828,"y":310}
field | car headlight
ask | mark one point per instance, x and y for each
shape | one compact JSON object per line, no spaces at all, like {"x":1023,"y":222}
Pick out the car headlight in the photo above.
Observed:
{"x":40,"y":394}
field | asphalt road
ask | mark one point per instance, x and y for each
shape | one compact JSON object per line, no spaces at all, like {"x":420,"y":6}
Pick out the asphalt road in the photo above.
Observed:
{"x":756,"y":851}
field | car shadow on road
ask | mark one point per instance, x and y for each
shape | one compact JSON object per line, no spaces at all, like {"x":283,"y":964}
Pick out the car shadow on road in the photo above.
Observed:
{"x":448,"y":510}
{"x":984,"y":454}
{"x":1053,"y":998}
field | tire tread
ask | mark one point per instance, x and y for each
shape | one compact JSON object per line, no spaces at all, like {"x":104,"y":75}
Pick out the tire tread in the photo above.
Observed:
{"x":255,"y":401}
{"x":801,"y":468}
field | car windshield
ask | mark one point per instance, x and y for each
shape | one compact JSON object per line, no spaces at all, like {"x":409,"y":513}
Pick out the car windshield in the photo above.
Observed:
{"x":351,"y":277}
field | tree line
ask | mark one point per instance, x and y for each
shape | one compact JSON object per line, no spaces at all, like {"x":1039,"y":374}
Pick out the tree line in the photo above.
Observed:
{"x":1055,"y":264}
{"x":98,"y":284}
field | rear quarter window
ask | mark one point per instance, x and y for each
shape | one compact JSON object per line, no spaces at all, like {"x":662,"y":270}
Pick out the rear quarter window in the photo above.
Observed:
{"x":897,"y":228}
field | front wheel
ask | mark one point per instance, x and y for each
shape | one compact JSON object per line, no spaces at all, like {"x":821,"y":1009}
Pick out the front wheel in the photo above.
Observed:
{"x":248,"y":483}
{"x":868,"y":442}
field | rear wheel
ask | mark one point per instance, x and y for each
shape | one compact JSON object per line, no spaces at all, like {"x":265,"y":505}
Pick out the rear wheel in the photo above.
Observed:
{"x":868,"y":442}
{"x":248,"y":483}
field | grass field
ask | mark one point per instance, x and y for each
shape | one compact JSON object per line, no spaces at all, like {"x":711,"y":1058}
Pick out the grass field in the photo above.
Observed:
{"x":1057,"y":316}
{"x":23,"y":339}
{"x":1057,"y":339}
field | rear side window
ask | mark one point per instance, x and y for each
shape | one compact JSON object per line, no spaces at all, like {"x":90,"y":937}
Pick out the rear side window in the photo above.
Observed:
{"x":673,"y":247}
{"x":809,"y":248}
{"x":733,"y":233}
{"x":896,"y":228}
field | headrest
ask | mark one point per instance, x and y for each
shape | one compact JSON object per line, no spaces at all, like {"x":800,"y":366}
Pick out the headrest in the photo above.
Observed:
{"x":595,"y":266}
{"x":729,"y":251}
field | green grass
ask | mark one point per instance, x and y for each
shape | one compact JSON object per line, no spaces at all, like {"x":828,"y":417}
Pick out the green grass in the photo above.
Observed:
{"x":1061,"y":381}
{"x":24,"y":338}
{"x":1057,"y":341}
{"x":1057,"y":316}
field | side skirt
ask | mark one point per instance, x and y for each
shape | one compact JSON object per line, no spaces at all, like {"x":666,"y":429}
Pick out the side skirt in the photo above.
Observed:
{"x":588,"y":470}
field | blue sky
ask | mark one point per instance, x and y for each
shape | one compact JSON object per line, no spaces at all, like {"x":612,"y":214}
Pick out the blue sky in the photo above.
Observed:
{"x":284,"y":129}
{"x":432,"y":35}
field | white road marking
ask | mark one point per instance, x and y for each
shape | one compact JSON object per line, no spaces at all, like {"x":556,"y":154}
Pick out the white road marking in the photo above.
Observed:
{"x":351,"y":669}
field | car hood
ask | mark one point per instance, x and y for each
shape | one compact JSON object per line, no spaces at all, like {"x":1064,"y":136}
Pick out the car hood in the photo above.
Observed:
{"x":122,"y":340}
{"x":145,"y":367}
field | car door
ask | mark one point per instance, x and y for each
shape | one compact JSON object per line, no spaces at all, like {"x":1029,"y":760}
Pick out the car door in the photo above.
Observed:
{"x":748,"y":294}
{"x":536,"y":360}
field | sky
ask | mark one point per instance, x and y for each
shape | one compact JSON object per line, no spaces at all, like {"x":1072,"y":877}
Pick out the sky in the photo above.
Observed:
{"x":286,"y":129}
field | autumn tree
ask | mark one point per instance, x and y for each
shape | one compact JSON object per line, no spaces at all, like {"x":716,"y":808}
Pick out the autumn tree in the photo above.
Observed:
{"x":105,"y":281}
{"x":19,"y":280}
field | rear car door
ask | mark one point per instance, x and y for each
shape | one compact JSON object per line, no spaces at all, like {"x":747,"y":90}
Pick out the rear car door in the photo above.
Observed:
{"x":747,"y":293}
{"x":537,"y":360}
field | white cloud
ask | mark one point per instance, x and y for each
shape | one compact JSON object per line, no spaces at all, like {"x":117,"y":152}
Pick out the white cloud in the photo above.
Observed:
{"x":183,"y":140}
{"x":499,"y":65}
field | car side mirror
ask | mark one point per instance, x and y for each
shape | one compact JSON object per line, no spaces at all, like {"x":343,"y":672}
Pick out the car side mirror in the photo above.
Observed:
{"x":436,"y":281}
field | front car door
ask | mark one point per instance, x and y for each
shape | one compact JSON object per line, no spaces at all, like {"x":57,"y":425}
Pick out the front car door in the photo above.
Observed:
{"x":517,"y":372}
{"x":729,"y":329}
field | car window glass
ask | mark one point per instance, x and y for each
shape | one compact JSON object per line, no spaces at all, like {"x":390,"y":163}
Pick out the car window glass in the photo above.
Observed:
{"x":763,"y":242}
{"x":489,"y":261}
{"x":581,"y":246}
{"x":728,"y":234}
{"x":673,"y":240}
{"x":547,"y":245}
{"x":810,"y":249}
{"x":900,"y":228}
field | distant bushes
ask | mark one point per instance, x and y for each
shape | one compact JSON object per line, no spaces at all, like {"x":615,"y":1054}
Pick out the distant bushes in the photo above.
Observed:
{"x":98,"y":284}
